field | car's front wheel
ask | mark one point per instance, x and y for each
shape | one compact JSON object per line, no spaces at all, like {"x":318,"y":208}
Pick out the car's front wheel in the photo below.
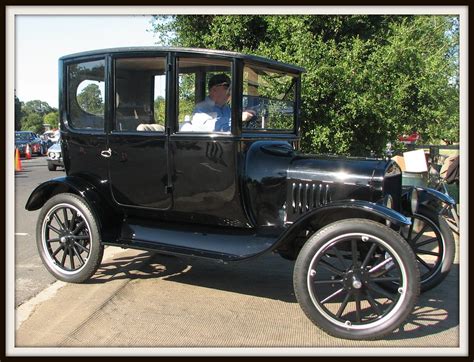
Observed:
{"x":51,"y":166}
{"x":339,"y":276}
{"x":68,"y":238}
{"x":433,"y":242}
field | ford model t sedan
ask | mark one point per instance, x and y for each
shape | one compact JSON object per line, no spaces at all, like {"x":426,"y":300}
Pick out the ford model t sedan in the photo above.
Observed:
{"x":195,"y":152}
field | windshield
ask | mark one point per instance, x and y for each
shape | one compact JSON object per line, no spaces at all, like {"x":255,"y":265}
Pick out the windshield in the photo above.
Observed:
{"x":270,"y":96}
{"x":19,"y":136}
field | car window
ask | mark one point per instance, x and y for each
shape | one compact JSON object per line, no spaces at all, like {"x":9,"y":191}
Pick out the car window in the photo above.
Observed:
{"x":86,"y":93}
{"x":140,"y":94}
{"x":21,"y":136}
{"x":202,"y":108}
{"x":90,"y":96}
{"x":24,"y":136}
{"x":270,"y":96}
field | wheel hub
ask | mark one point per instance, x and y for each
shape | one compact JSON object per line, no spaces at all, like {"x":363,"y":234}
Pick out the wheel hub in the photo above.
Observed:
{"x":67,"y":239}
{"x":355,"y":279}
{"x":356,"y":283}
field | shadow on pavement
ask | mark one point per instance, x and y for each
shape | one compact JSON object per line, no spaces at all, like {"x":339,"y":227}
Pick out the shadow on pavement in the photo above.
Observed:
{"x":270,"y":276}
{"x":266,"y":277}
{"x":437,"y":310}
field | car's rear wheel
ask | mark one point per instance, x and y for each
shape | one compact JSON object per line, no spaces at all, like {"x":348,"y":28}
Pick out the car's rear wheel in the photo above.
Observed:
{"x":431,"y":238}
{"x":68,"y":238}
{"x":338,"y":276}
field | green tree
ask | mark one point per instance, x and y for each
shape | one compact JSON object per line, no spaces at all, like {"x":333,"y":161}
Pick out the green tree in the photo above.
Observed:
{"x":368,"y":78}
{"x":90,"y":99}
{"x":18,"y":113}
{"x":32,"y":122}
{"x":52,"y":119}
{"x":159,"y":110}
{"x":37,"y":106}
{"x":33,"y":113}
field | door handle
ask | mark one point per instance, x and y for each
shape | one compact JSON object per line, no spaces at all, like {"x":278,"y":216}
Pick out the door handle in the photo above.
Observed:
{"x":106,"y":153}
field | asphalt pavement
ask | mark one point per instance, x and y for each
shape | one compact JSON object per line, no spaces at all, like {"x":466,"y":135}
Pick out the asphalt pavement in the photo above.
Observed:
{"x":146,"y":303}
{"x":30,"y":275}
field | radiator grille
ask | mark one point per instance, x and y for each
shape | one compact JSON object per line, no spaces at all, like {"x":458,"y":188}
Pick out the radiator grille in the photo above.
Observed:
{"x":307,"y":196}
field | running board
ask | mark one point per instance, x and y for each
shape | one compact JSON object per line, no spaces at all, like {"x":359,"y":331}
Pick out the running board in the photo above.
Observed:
{"x":226,"y":244}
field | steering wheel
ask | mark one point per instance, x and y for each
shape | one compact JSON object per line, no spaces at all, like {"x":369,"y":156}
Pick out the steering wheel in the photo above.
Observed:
{"x":253,"y":122}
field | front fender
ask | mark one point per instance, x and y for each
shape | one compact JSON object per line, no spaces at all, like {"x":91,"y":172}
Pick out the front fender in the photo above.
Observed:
{"x":358,"y":205}
{"x":341,"y":210}
{"x":427,"y":195}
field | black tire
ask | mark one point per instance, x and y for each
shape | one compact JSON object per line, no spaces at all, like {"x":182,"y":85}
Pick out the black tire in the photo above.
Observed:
{"x":68,"y":238}
{"x":337,"y":275}
{"x":433,"y":242}
{"x":51,"y":167}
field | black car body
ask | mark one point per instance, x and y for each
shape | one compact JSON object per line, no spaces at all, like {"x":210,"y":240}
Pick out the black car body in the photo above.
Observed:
{"x":24,"y":138}
{"x":135,"y":179}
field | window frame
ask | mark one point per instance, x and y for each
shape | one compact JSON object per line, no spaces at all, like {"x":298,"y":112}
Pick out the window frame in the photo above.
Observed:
{"x":233,"y":69}
{"x":112,"y":74}
{"x":296,"y":116}
{"x":66,"y":119}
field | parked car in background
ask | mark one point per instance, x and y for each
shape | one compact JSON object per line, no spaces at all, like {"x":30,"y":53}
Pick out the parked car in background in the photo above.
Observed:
{"x":364,"y":245}
{"x":50,"y":137}
{"x":54,"y":157}
{"x":24,"y":138}
{"x":410,"y":139}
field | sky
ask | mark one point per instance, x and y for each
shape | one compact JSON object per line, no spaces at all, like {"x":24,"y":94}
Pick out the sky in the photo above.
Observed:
{"x":40,"y":40}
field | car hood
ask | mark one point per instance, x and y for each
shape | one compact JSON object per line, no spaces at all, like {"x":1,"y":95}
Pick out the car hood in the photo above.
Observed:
{"x":336,"y":169}
{"x":55,"y":148}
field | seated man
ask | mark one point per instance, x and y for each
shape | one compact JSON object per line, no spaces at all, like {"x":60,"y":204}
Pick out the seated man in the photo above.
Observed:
{"x":214,"y":114}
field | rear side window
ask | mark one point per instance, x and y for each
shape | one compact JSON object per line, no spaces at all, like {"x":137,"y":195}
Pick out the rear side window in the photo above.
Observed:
{"x":86,"y":95}
{"x":140,"y":94}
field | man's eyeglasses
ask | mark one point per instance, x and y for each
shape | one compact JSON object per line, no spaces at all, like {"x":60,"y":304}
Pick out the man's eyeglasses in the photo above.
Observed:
{"x":227,"y":85}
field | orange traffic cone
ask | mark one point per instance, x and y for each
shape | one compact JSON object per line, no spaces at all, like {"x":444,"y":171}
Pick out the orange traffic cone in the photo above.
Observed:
{"x":28,"y":152}
{"x":17,"y":160}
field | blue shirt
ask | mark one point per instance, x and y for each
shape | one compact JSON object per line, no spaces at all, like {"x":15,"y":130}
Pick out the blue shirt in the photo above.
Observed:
{"x":221,"y":114}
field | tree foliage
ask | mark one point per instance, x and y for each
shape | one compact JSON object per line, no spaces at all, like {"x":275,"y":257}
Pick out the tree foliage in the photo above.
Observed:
{"x":37,"y":106}
{"x":52,"y":119}
{"x":18,"y":113}
{"x":90,"y":99}
{"x":159,"y":110}
{"x":32,"y":122}
{"x":32,"y":115}
{"x":368,"y":79}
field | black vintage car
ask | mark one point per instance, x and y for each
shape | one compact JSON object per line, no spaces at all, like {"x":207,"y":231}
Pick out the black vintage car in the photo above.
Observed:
{"x":153,"y":162}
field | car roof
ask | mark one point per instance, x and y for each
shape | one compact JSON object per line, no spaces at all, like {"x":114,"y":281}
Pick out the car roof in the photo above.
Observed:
{"x":190,"y":51}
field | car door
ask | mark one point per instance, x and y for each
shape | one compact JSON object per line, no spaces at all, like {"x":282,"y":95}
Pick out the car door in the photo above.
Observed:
{"x":204,"y":161}
{"x":137,"y":141}
{"x":83,"y":113}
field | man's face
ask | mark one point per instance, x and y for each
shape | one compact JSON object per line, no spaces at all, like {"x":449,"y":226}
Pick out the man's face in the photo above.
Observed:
{"x":220,"y":94}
